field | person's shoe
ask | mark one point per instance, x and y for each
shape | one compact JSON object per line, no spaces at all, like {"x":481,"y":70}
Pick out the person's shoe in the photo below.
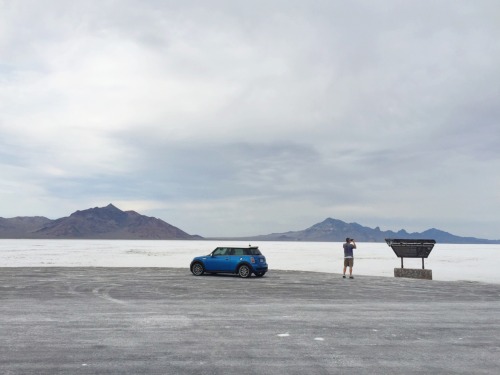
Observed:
{"x":351,"y":277}
{"x":343,"y":276}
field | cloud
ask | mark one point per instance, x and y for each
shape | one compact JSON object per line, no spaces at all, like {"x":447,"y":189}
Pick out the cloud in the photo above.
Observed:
{"x":236,"y":118}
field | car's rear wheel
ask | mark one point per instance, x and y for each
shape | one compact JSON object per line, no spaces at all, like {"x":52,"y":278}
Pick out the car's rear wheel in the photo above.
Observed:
{"x":260,"y":274}
{"x":197,"y":269}
{"x":244,"y":271}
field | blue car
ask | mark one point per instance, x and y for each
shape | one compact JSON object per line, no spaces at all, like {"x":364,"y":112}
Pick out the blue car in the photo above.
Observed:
{"x":239,"y":260}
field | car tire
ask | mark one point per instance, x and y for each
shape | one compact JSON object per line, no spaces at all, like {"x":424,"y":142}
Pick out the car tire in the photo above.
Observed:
{"x":244,"y":271}
{"x":197,"y":269}
{"x":260,"y":274}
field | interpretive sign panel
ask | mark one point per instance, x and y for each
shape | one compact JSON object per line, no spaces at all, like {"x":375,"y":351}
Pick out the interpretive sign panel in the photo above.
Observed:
{"x":409,"y":248}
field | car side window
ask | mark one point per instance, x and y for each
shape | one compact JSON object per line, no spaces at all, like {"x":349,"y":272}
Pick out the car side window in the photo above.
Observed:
{"x":220,"y":251}
{"x":237,"y":251}
{"x":253,"y":251}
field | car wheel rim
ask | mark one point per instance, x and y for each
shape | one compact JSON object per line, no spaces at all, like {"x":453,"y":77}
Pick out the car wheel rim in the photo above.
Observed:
{"x":244,"y":271}
{"x":197,"y":269}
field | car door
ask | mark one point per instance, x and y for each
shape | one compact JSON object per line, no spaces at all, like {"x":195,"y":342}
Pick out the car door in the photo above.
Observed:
{"x":218,"y":261}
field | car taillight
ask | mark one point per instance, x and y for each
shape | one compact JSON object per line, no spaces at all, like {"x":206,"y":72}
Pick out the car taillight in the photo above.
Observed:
{"x":252,"y":259}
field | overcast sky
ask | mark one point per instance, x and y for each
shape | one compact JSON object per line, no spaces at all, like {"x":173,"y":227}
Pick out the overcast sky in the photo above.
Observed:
{"x":228,"y":118}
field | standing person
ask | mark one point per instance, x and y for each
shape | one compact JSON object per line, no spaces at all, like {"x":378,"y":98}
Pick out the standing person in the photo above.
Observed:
{"x":349,"y":256}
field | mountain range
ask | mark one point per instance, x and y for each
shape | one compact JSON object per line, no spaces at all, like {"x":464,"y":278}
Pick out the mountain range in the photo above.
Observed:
{"x":112,"y":223}
{"x":332,"y":230}
{"x":94,"y":223}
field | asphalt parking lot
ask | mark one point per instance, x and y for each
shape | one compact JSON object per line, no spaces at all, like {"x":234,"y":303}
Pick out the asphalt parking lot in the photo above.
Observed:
{"x":166,"y":321}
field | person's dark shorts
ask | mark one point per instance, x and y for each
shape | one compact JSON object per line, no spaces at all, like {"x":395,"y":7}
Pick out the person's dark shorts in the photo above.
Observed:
{"x":348,"y":262}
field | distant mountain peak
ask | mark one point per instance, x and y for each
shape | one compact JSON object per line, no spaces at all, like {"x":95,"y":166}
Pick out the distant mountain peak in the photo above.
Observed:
{"x":335,"y":230}
{"x":101,"y":223}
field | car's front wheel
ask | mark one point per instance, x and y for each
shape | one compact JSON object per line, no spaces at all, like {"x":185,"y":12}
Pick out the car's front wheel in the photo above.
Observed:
{"x":244,"y":271}
{"x":197,"y":269}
